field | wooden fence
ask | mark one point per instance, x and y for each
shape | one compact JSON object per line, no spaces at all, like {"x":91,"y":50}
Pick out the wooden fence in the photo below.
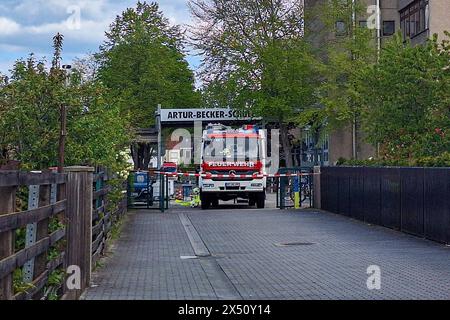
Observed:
{"x":59,"y":228}
{"x":104,"y":215}
{"x":45,"y":201}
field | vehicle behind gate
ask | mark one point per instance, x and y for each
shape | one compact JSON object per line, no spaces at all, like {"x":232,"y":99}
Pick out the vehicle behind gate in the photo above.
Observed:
{"x":141,"y":185}
{"x":169,"y":167}
{"x":233,"y":165}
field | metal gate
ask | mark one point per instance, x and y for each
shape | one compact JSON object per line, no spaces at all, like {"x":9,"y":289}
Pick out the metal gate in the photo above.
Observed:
{"x":294,"y":181}
{"x":148,"y":190}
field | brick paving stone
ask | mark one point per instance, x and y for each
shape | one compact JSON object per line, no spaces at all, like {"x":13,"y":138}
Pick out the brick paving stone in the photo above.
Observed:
{"x":146,"y":263}
{"x":334,"y":267}
{"x":247,"y":258}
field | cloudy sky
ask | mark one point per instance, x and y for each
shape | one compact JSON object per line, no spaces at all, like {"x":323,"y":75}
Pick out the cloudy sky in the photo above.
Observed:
{"x":28,"y":26}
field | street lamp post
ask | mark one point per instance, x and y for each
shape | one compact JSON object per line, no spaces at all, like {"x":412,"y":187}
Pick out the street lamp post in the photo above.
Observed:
{"x":63,"y":122}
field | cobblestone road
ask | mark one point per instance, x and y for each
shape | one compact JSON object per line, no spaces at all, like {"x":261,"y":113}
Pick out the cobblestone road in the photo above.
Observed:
{"x":154,"y":258}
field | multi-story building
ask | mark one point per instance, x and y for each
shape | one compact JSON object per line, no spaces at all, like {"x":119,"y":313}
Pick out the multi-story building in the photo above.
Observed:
{"x":420,"y":19}
{"x":417,"y":20}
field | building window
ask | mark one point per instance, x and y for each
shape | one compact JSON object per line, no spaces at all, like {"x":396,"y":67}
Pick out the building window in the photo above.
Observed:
{"x":414,"y":19}
{"x":388,"y":28}
{"x":326,"y":150}
{"x":363,"y":24}
{"x":341,"y":28}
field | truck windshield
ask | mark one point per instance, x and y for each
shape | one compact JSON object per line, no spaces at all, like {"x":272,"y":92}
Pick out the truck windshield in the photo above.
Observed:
{"x":232,"y":149}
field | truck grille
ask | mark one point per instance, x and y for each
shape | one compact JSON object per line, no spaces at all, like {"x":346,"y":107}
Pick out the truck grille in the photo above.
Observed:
{"x":233,"y":179}
{"x":237,"y":178}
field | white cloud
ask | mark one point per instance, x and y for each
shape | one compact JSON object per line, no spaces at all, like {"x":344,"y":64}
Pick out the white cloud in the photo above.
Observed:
{"x":58,"y":8}
{"x":29,"y":25}
{"x":89,"y":31}
{"x":8,"y":26}
{"x":5,"y":66}
{"x":11,"y":48}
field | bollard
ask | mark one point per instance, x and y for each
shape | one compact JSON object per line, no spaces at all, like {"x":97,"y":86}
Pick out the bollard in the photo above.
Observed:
{"x":316,"y":186}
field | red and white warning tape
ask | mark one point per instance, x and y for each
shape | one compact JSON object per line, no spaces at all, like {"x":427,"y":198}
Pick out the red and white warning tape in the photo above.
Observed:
{"x":236,"y":176}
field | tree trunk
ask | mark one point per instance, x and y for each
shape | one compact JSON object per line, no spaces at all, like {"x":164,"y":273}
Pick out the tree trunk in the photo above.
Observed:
{"x":147,"y":155}
{"x":141,"y":156}
{"x":286,"y":143}
{"x":135,"y":155}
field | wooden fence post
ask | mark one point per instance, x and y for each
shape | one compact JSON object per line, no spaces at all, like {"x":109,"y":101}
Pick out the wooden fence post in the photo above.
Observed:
{"x":40,"y":262}
{"x":7,"y":205}
{"x":316,"y":186}
{"x":79,"y":219}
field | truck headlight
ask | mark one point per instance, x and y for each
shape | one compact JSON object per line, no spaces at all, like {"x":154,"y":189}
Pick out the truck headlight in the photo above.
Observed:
{"x":257,"y":185}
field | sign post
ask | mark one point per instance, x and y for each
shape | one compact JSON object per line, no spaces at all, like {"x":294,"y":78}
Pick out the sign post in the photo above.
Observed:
{"x":158,"y":120}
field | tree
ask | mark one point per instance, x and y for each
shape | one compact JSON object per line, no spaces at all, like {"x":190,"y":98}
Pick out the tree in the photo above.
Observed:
{"x":29,"y":117}
{"x":255,"y":57}
{"x":143,"y":64}
{"x":406,"y":100}
{"x":345,"y":48}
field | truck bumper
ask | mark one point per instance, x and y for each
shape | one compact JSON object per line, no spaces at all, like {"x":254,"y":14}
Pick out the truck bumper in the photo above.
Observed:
{"x":233,"y":186}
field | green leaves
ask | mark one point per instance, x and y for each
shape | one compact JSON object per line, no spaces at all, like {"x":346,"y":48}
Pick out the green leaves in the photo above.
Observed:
{"x":30,"y":114}
{"x":255,"y":56}
{"x":406,"y":100}
{"x":29,"y":122}
{"x":289,"y":80}
{"x":143,"y":65}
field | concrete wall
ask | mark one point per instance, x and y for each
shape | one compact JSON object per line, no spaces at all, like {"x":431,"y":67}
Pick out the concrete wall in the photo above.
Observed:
{"x":389,"y":12}
{"x":404,"y":3}
{"x":439,"y":17}
{"x":341,"y":145}
{"x":420,"y":39}
{"x":341,"y":140}
{"x":364,"y":149}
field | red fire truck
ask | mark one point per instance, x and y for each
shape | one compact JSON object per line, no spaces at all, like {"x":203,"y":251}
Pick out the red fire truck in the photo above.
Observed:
{"x":233,"y":165}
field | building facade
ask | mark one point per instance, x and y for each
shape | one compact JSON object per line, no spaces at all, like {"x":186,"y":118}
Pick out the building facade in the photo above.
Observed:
{"x":417,"y":20}
{"x":420,"y":19}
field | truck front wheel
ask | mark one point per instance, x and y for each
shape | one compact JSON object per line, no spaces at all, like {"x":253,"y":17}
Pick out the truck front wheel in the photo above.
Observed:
{"x":206,"y":201}
{"x":261,"y":200}
{"x":215,"y":202}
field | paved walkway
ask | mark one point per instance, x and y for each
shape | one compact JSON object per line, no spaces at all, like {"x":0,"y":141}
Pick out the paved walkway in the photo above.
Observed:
{"x":251,"y":259}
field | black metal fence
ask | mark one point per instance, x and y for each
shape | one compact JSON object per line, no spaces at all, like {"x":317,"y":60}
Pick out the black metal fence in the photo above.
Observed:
{"x":412,"y":200}
{"x":286,"y":187}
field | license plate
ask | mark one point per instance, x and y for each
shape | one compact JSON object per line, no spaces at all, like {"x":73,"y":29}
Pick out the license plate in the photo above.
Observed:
{"x":134,"y":194}
{"x":232,"y":184}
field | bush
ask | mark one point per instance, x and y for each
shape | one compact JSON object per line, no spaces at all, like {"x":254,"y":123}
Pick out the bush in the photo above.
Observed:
{"x":442,"y":160}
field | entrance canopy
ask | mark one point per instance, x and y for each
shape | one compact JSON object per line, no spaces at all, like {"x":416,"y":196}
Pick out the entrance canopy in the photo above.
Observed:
{"x":184,"y":118}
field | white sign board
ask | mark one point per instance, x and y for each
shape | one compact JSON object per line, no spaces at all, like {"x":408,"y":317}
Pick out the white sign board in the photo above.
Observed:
{"x":215,"y":114}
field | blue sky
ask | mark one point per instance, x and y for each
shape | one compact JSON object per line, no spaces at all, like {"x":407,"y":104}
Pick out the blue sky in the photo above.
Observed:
{"x":28,"y":26}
